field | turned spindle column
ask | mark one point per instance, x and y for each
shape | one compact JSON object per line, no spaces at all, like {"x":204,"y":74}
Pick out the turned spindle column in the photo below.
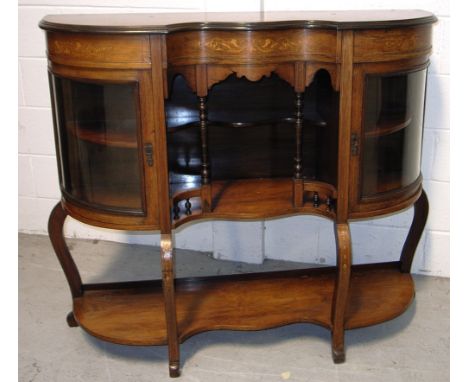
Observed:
{"x":205,"y":165}
{"x":298,"y":175}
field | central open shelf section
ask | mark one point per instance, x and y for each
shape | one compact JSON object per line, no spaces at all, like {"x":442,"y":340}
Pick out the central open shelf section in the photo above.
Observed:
{"x":132,"y":312}
{"x":262,"y":125}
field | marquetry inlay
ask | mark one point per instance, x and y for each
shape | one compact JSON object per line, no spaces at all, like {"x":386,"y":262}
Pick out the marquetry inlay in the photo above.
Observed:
{"x":259,"y":46}
{"x":99,"y":49}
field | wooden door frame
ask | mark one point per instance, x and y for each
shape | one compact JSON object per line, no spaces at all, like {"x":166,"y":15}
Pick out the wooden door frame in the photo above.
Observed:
{"x":389,"y":201}
{"x":146,"y":135}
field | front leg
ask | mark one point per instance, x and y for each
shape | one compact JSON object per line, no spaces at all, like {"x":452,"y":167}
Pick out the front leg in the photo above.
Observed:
{"x":340,"y":297}
{"x":167,"y":268}
{"x":55,"y":227}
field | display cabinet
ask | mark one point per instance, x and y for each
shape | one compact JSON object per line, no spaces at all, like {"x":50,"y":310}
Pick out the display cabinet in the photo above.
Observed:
{"x":165,"y":119}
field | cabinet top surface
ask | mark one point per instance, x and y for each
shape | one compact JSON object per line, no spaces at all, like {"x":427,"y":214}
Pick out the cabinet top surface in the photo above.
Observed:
{"x":174,"y":22}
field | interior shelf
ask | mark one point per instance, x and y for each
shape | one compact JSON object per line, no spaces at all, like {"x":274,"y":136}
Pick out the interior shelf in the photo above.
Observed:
{"x":387,"y":126}
{"x":133,"y":312}
{"x":128,"y":201}
{"x":175,"y":128}
{"x":263,"y":149}
{"x":101,"y":136}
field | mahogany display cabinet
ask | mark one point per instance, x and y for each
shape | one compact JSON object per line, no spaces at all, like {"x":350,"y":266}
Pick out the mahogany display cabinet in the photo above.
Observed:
{"x":165,"y":119}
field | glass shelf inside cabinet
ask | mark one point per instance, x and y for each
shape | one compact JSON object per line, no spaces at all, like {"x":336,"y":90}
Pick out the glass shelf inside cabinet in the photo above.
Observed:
{"x":393,"y":119}
{"x":97,"y":126}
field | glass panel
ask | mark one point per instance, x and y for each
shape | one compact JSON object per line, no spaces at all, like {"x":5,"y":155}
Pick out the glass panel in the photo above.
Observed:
{"x":393,"y":118}
{"x":98,"y":142}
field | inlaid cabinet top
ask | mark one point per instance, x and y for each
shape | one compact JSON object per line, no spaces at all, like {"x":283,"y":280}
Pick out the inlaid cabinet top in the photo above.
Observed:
{"x":173,"y":22}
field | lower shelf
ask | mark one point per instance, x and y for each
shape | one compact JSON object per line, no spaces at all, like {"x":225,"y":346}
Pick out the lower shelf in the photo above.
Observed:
{"x":133,"y":313}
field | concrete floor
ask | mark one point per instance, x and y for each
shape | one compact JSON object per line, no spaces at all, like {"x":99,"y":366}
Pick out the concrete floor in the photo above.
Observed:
{"x":413,"y":347}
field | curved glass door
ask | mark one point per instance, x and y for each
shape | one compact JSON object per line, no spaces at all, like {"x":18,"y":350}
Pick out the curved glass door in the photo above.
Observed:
{"x":98,"y":139}
{"x":393,"y":121}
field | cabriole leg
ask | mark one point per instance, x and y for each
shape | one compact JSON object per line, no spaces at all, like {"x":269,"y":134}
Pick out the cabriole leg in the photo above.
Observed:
{"x":56,"y":222}
{"x":421,"y":210}
{"x":340,"y":297}
{"x":167,"y":267}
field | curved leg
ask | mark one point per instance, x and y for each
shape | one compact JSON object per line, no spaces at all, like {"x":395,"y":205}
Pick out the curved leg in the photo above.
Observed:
{"x":340,"y":297}
{"x":421,"y":210}
{"x":169,"y":301}
{"x":56,"y":221}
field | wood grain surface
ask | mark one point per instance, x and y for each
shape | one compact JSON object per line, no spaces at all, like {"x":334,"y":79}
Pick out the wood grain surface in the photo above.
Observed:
{"x":134,"y":313}
{"x":196,"y":160}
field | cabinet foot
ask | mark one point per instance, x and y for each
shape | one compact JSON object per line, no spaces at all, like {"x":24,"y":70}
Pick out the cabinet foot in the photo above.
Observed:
{"x":71,"y":321}
{"x":174,"y":370}
{"x":338,"y":355}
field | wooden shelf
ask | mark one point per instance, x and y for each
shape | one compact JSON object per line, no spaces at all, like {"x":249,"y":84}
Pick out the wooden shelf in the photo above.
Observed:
{"x":251,"y":199}
{"x":133,"y":313}
{"x":176,"y":128}
{"x":263,"y":149}
{"x":248,"y":197}
{"x":387,"y":127}
{"x":103,"y":137}
{"x":103,"y":198}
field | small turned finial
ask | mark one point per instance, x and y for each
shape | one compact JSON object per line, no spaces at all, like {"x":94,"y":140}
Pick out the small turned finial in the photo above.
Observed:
{"x":176,"y":210}
{"x":328,"y":203}
{"x":316,"y":199}
{"x":188,"y":207}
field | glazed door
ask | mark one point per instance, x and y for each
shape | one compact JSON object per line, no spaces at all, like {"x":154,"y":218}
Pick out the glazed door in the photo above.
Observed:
{"x":105,"y":144}
{"x":386,"y":140}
